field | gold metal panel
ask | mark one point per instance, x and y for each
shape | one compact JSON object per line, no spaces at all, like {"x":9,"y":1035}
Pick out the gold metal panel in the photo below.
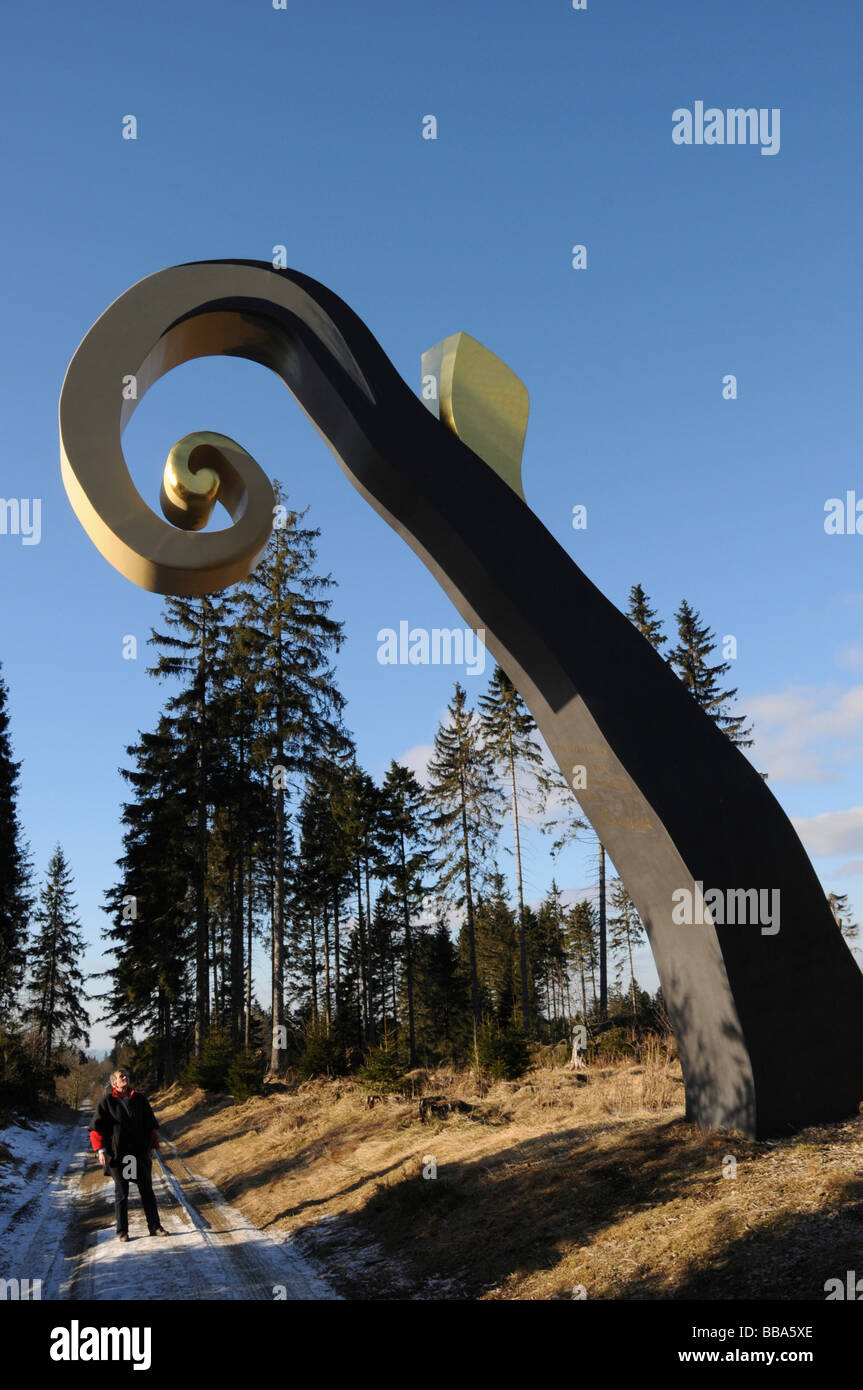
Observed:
{"x":482,"y":401}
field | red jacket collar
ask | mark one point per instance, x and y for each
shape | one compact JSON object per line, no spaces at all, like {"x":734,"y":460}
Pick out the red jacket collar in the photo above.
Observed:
{"x":126,"y":1092}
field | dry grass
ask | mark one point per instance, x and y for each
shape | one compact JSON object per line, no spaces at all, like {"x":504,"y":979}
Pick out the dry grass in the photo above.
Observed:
{"x":563,"y":1179}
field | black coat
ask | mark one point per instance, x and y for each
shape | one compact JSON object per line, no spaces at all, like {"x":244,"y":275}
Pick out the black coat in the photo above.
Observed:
{"x":126,"y":1126}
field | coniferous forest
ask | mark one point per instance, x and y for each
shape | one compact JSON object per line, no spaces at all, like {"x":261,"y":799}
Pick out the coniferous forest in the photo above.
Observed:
{"x":278,"y":912}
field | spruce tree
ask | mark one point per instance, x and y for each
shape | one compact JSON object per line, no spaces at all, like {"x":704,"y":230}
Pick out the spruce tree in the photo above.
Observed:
{"x":510,"y":735}
{"x":497,"y":954}
{"x":551,"y":964}
{"x":152,"y":906}
{"x":466,"y":797}
{"x":405,"y":860}
{"x":627,"y":932}
{"x":317,"y":887}
{"x":291,"y":638}
{"x":192,"y":653}
{"x":242,"y":797}
{"x":644,"y":617}
{"x":56,"y":983}
{"x":580,"y":937}
{"x":386,"y":953}
{"x":442,"y":1001}
{"x":690,"y":659}
{"x":356,"y":805}
{"x":603,"y":933}
{"x":15,"y":896}
{"x":335,"y":867}
{"x":304,"y":959}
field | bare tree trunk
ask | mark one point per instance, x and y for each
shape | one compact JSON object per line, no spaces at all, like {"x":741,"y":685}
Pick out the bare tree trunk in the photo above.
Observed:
{"x":361,"y":942}
{"x":583,"y":985}
{"x":471,"y":936}
{"x":52,"y":1000}
{"x":202,"y":1001}
{"x":632,"y":974}
{"x":314,"y":968}
{"x":248,"y":1011}
{"x":522,"y":942}
{"x":338,"y":954}
{"x":237,"y":1009}
{"x":603,"y":963}
{"x":234,"y":976}
{"x":369,"y":968}
{"x":409,"y":961}
{"x":327,"y":1013}
{"x":168,"y":1033}
{"x":278,"y":973}
{"x":393,"y":982}
{"x":219,"y":968}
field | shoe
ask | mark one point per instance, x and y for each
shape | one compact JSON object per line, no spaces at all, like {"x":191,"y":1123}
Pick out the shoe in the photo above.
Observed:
{"x":122,"y":1236}
{"x":159,"y":1231}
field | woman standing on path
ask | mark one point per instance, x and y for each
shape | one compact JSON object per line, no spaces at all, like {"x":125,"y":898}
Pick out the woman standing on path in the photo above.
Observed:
{"x":123,"y":1133}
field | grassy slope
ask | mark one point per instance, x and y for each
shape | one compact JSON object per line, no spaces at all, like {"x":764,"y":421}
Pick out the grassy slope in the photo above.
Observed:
{"x":552,"y":1183}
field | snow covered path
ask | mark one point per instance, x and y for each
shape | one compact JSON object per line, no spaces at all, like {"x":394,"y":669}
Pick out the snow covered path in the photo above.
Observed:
{"x":57,"y":1225}
{"x":37,"y":1193}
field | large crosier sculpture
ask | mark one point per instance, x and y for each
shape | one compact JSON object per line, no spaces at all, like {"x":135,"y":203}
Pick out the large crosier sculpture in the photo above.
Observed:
{"x":769,"y":1025}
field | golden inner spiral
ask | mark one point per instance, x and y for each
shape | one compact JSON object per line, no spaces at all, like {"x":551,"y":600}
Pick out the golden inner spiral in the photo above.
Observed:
{"x":191,"y":480}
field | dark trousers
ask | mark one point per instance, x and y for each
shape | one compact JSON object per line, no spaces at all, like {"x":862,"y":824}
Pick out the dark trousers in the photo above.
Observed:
{"x":137,"y":1166}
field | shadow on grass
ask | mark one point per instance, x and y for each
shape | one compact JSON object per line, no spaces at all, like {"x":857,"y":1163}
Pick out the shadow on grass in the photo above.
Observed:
{"x":789,"y":1257}
{"x":525,"y":1209}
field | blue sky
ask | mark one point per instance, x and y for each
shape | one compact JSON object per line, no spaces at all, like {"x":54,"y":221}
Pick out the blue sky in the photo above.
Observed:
{"x":303,"y":127}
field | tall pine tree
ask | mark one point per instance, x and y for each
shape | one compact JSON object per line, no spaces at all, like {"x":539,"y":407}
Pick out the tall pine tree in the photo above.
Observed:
{"x":690,"y":659}
{"x":192,"y":652}
{"x":56,"y":984}
{"x":551,"y":963}
{"x":510,"y":735}
{"x":153,"y":904}
{"x":627,"y":932}
{"x":466,"y":798}
{"x":404,"y":837}
{"x":644,"y":617}
{"x":15,"y":896}
{"x":497,"y":954}
{"x":581,"y":931}
{"x":291,"y":637}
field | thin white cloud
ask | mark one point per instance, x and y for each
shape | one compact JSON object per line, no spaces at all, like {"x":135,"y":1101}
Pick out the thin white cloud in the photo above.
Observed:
{"x":807,"y":733}
{"x":833,"y":832}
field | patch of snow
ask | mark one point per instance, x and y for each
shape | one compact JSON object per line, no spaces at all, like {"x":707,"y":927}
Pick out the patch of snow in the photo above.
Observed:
{"x":41,"y":1196}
